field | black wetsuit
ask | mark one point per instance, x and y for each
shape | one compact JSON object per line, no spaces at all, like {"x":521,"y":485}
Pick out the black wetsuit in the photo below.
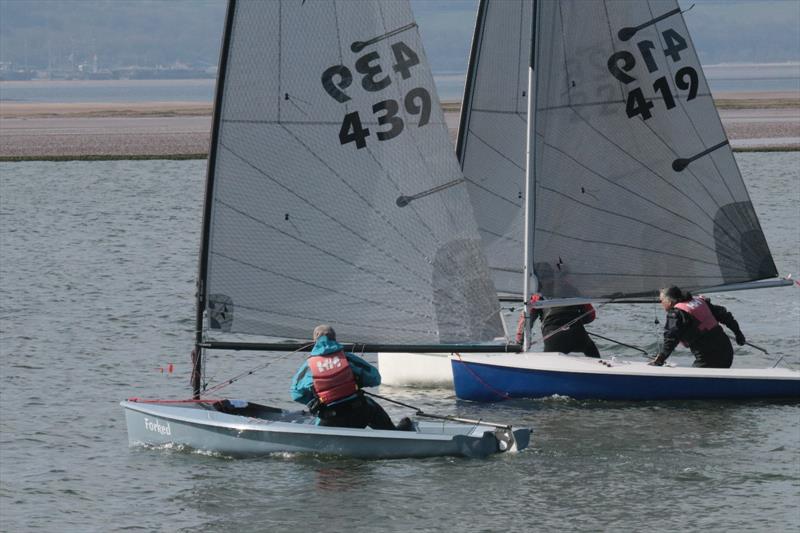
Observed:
{"x":711,"y":348}
{"x":573,"y":339}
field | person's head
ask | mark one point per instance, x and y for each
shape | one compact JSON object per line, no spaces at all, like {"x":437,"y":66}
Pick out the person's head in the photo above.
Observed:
{"x":324,"y":330}
{"x":669,"y":296}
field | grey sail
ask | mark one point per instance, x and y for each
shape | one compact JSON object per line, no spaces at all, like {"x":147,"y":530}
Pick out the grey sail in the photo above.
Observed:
{"x":333,"y":193}
{"x":636,"y":186}
{"x":492,"y":134}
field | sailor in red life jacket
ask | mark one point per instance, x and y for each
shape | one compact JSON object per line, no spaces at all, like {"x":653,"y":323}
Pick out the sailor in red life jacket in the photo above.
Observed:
{"x":695,"y":322}
{"x":573,"y":337}
{"x":329,"y":382}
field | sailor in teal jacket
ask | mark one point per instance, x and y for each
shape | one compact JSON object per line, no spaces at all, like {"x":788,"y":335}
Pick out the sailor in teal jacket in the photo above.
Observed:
{"x":365,"y":374}
{"x":332,"y":388}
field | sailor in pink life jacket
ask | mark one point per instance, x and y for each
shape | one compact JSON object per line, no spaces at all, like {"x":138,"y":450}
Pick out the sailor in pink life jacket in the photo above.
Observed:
{"x":329,"y":382}
{"x":695,"y":322}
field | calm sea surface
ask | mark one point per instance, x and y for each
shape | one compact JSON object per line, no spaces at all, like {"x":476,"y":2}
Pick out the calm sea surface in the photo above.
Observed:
{"x":97,"y":266}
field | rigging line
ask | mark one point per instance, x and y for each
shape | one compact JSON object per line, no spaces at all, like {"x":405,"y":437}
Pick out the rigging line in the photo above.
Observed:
{"x":477,"y":184}
{"x":626,"y":33}
{"x":500,"y":236}
{"x":654,"y":173}
{"x":501,"y":154}
{"x":420,"y":412}
{"x":310,"y":284}
{"x":500,"y":394}
{"x":254,"y":370}
{"x":357,"y":46}
{"x":361,"y":197}
{"x":404,"y":200}
{"x":326,"y":252}
{"x":618,"y":342}
{"x":322,"y":212}
{"x":622,"y":245}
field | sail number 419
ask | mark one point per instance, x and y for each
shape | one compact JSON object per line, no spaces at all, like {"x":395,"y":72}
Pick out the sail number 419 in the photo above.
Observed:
{"x":622,"y":62}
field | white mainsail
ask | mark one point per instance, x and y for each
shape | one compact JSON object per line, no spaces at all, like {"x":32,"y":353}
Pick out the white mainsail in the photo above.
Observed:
{"x":333,"y":194}
{"x":492,"y":133}
{"x":635,"y":184}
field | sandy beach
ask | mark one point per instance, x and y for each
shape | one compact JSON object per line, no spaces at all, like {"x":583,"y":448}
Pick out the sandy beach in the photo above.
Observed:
{"x":753,"y":121}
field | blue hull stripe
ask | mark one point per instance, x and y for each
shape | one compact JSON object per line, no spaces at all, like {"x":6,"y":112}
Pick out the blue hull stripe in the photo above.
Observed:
{"x":488,"y":383}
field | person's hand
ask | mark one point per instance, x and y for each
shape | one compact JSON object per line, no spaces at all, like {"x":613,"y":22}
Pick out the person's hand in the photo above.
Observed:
{"x":740,"y":340}
{"x":658,"y":360}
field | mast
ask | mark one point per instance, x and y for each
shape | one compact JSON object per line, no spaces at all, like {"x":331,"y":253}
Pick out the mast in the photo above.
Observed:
{"x":202,"y":270}
{"x":530,"y":283}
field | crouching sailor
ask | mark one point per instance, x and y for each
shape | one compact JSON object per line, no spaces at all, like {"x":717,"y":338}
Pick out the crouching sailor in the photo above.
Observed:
{"x":695,"y":322}
{"x":329,"y":382}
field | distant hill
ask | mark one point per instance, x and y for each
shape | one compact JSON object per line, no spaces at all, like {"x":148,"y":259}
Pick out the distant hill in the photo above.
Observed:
{"x":38,"y":33}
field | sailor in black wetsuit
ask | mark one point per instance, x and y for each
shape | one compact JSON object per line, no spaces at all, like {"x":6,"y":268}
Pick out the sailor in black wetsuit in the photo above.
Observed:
{"x":573,"y":338}
{"x":695,"y":322}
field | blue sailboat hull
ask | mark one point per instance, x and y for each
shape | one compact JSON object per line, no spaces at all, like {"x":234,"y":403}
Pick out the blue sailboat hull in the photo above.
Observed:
{"x":484,"y":381}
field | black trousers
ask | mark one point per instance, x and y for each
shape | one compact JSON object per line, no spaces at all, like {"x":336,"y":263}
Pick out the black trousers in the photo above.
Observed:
{"x":359,"y":412}
{"x":575,"y":339}
{"x":712,"y":350}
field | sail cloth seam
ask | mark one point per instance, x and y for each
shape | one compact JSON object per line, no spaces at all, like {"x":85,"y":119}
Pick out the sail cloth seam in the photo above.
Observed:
{"x":499,"y":236}
{"x":316,"y":286}
{"x":663,"y":179}
{"x":623,"y":245}
{"x":322,"y":250}
{"x":382,"y":325}
{"x":628,"y":217}
{"x":635,"y":194}
{"x":347,"y":184}
{"x":318,"y":210}
{"x":501,"y":154}
{"x":475,"y":183}
{"x":421,"y":220}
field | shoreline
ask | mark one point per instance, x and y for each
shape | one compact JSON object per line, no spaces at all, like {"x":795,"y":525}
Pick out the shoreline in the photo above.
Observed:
{"x":753,"y":121}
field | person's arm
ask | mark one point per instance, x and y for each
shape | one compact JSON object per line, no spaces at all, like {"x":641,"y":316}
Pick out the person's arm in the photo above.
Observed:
{"x":366,"y":374}
{"x":592,"y":314}
{"x":673,"y":329}
{"x":723,"y":316}
{"x":302,"y":389}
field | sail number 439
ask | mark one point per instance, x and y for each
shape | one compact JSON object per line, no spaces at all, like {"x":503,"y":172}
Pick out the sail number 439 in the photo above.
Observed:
{"x":337,"y":79}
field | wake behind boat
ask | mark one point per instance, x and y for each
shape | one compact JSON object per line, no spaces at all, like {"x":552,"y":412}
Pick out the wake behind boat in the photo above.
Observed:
{"x":332,"y":196}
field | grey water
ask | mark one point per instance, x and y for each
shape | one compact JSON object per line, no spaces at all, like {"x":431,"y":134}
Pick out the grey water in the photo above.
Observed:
{"x":97,"y":267}
{"x":768,"y":77}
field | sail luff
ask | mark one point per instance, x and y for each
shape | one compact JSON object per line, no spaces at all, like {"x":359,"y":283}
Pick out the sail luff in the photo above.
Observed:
{"x":202,"y":268}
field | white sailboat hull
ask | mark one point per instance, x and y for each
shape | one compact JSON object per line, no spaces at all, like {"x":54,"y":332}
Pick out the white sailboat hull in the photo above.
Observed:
{"x":493,"y":377}
{"x":428,"y":370}
{"x":201,"y":427}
